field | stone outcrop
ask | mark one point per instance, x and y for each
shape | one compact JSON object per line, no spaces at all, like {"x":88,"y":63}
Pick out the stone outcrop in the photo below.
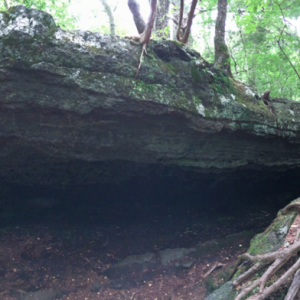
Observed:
{"x":280,"y":234}
{"x":71,"y":108}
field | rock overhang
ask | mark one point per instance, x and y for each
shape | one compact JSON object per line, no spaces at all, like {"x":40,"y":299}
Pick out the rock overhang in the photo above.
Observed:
{"x":72,"y":99}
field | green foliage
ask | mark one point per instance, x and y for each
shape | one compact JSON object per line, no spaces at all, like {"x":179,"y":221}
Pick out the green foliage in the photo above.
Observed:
{"x":254,"y":28}
{"x":195,"y":73}
{"x":57,"y":8}
{"x":39,"y":4}
{"x":165,"y":32}
{"x":261,"y":26}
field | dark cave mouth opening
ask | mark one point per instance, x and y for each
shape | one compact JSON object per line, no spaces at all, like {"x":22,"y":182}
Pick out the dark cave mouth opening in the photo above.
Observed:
{"x":82,"y":231}
{"x":149,"y":197}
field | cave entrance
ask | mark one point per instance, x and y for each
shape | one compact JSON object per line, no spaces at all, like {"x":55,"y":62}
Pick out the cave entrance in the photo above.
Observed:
{"x":63,"y":240}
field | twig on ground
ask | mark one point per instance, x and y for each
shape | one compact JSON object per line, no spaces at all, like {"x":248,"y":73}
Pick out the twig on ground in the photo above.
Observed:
{"x":215,"y":266}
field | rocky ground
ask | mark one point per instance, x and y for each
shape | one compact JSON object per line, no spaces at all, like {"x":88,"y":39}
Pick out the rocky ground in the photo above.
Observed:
{"x":53,"y":252}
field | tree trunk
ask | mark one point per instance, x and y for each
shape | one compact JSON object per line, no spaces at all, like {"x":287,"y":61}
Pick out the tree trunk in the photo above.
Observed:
{"x":110,"y":16}
{"x":137,"y":17}
{"x":185,"y":37}
{"x":222,"y":58}
{"x":6,"y":4}
{"x":145,"y":36}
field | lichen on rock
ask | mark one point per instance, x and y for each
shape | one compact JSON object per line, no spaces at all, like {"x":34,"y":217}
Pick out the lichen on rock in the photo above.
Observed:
{"x":69,"y":97}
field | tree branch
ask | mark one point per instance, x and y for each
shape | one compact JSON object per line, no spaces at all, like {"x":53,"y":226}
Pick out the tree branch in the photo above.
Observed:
{"x":116,"y":6}
{"x":187,"y":31}
{"x":6,"y":4}
{"x":145,"y":36}
{"x":276,"y":285}
{"x":242,"y":71}
{"x":294,"y":288}
{"x":278,"y":42}
{"x":111,"y":17}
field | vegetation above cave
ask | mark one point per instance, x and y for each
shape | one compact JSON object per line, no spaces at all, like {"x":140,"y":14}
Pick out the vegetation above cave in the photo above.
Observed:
{"x":262,"y":38}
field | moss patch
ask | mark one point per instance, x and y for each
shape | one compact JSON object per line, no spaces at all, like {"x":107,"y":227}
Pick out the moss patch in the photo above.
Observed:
{"x":274,"y":235}
{"x":196,"y":75}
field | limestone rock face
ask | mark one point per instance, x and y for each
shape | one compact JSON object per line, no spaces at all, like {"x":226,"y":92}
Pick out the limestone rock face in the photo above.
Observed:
{"x":71,"y":108}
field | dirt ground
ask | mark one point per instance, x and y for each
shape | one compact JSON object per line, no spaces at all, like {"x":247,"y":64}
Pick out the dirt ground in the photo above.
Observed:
{"x":57,"y":254}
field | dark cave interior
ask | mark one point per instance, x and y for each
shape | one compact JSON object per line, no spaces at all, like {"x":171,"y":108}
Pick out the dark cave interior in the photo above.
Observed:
{"x":79,"y":231}
{"x":147,"y":197}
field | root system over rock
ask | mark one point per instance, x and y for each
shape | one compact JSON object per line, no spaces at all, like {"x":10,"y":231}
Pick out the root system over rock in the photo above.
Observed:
{"x":272,"y":261}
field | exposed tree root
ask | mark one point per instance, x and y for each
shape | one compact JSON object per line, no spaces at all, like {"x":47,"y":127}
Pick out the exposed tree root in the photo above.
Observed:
{"x":273,"y":262}
{"x":294,"y":204}
{"x":294,"y":287}
{"x":145,"y":36}
{"x":141,"y":60}
{"x":215,"y":266}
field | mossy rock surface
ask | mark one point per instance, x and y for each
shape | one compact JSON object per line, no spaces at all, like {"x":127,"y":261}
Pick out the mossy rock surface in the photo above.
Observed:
{"x":268,"y":241}
{"x":273,"y":237}
{"x":225,"y":292}
{"x":71,"y":101}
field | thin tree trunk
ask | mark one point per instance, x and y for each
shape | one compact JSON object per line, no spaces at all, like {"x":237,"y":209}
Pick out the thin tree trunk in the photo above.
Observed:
{"x":278,"y":42}
{"x":111,"y":17}
{"x":245,"y":55}
{"x":145,"y":36}
{"x":222,"y":58}
{"x":137,"y":17}
{"x":6,"y":4}
{"x":171,"y":22}
{"x":186,"y":34}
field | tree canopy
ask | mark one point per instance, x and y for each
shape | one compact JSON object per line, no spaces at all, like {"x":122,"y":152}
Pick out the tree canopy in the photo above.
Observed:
{"x":57,"y":8}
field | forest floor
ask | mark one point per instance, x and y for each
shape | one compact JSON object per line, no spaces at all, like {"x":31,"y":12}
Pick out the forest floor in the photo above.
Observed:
{"x":61,"y":256}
